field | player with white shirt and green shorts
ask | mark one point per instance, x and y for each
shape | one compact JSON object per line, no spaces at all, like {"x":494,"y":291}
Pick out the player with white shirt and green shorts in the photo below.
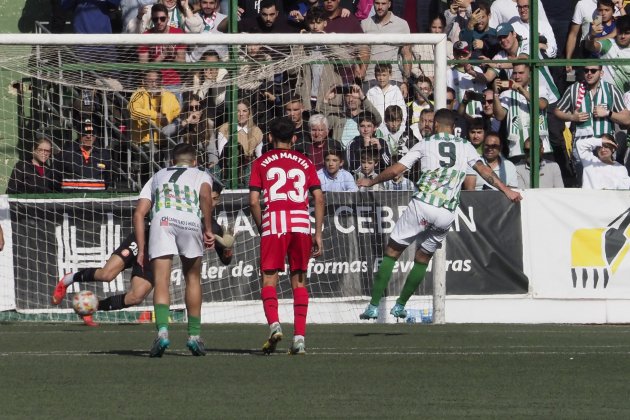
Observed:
{"x":444,"y":159}
{"x":180,"y":201}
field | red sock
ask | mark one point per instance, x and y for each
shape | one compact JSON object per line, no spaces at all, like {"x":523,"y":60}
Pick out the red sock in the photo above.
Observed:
{"x":270,"y":304}
{"x":300,"y":308}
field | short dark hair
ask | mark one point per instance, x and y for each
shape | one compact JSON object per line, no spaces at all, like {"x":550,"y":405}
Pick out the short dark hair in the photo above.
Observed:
{"x":315,"y":14}
{"x":266,"y":4}
{"x":282,"y":129}
{"x":382,"y":68}
{"x":480,"y":4}
{"x":184,"y":151}
{"x":366,"y":116}
{"x":476,"y":124}
{"x":335,"y":152}
{"x":608,"y":3}
{"x":623,"y":24}
{"x":493,"y":134}
{"x":369,"y":153}
{"x":445,"y":117}
{"x":393,"y":112}
{"x":159,"y":7}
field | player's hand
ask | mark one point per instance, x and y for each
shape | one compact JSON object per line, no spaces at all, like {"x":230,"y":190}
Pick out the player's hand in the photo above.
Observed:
{"x":317,"y":245}
{"x":208,"y":238}
{"x":365,"y":182}
{"x":513,"y":196}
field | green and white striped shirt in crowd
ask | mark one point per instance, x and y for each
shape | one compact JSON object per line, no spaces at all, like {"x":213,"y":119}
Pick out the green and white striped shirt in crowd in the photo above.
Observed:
{"x":577,"y":98}
{"x":518,"y":121}
{"x":444,"y":161}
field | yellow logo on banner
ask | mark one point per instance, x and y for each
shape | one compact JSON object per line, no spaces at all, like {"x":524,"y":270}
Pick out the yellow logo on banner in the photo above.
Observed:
{"x":598,"y":252}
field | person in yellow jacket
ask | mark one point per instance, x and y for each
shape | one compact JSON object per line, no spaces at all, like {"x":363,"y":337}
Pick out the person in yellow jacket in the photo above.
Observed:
{"x":152,"y":108}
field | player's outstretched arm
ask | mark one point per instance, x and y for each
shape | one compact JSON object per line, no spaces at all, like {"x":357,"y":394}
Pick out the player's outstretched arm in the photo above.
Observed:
{"x":491,"y":178}
{"x":142,"y":209}
{"x":390,"y":172}
{"x":320,"y":209}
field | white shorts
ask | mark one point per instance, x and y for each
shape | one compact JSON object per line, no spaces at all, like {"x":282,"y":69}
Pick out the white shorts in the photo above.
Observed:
{"x":175,"y":235}
{"x":423,"y":223}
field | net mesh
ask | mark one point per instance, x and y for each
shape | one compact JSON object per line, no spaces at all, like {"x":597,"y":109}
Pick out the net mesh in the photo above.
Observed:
{"x":220,"y":98}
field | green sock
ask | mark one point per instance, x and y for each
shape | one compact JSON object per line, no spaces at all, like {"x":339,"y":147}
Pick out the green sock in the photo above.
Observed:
{"x":161,"y":315}
{"x":194,"y":325}
{"x":414,"y":278}
{"x":381,"y":279}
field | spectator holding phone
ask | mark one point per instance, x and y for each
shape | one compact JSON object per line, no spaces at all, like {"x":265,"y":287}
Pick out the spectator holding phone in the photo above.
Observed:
{"x":367,"y":140}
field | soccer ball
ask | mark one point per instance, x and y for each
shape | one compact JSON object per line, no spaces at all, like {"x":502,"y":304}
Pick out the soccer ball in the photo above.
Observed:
{"x":85,"y":302}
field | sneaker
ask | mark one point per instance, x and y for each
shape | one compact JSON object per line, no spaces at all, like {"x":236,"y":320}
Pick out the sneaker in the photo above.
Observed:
{"x":159,"y":346}
{"x":89,"y":321}
{"x":399,"y":311}
{"x":60,"y":290}
{"x":196,"y":346}
{"x":371,"y":312}
{"x":297,"y":348}
{"x":274,"y":338}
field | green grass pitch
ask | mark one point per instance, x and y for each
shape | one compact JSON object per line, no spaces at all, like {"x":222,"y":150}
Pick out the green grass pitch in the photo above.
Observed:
{"x":351,"y":371}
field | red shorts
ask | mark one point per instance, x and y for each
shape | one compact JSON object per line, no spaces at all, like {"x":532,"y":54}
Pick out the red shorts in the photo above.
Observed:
{"x":275,"y":248}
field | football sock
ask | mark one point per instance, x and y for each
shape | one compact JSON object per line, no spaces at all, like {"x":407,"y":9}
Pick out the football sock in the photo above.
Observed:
{"x":270,"y":304}
{"x":112,"y":303}
{"x":382,"y":278}
{"x":85,"y":275}
{"x":161,"y":315}
{"x":414,"y":278}
{"x":194,"y":325}
{"x":300,"y":308}
{"x":68,"y":280}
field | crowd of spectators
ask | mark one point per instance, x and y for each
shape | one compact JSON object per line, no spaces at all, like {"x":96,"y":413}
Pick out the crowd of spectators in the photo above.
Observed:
{"x":353,"y":120}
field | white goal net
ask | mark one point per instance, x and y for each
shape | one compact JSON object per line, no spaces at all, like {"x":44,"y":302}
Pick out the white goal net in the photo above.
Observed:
{"x":136,"y":96}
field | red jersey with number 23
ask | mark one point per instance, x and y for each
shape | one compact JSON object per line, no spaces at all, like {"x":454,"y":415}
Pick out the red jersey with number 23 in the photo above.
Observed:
{"x":284,"y":177}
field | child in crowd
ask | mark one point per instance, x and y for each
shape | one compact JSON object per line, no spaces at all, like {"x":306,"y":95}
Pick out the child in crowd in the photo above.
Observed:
{"x":399,"y":183}
{"x":385,"y":93}
{"x":394,"y":132}
{"x":369,"y":158}
{"x":332,"y":176}
{"x":366,"y":139}
{"x":604,"y":23}
{"x":316,"y":20}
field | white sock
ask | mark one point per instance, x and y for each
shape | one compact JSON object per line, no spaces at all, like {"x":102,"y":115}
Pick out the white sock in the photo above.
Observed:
{"x":163,"y":332}
{"x":297,"y":338}
{"x":68,"y":279}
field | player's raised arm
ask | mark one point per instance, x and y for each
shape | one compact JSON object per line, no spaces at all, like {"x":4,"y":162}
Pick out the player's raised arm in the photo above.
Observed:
{"x":142,"y":209}
{"x":492,"y":179}
{"x":390,"y":172}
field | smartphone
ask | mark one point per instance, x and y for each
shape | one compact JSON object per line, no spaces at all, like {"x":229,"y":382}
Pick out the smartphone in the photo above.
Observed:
{"x":343,"y":90}
{"x":506,"y":84}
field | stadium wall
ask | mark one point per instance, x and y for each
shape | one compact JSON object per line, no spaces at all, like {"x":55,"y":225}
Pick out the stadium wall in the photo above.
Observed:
{"x":559,"y":257}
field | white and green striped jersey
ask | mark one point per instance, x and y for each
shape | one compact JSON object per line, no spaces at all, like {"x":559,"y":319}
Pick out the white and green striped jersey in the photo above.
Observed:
{"x":579,"y":98}
{"x":175,"y":190}
{"x":617,"y":74}
{"x":444,"y":161}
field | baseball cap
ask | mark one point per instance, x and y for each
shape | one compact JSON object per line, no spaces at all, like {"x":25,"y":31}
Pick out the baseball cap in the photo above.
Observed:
{"x":87,"y":127}
{"x":461,"y":47}
{"x":504,"y":29}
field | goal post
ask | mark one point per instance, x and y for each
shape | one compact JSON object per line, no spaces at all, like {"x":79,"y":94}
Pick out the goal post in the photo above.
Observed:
{"x":58,"y":82}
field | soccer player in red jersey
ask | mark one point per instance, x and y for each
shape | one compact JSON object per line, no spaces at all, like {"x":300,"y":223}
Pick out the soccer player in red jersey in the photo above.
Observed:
{"x":285,"y":177}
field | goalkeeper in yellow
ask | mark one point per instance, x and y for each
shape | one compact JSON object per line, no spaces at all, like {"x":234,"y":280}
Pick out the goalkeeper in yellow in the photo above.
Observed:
{"x":444,"y":159}
{"x":124,"y":257}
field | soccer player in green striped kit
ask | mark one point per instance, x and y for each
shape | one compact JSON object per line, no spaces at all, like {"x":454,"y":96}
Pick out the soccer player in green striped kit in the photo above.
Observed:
{"x":444,"y":159}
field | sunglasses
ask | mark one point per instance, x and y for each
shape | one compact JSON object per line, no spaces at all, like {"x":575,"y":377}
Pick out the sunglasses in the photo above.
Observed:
{"x":523,"y":7}
{"x":488,"y":101}
{"x":157,"y":19}
{"x":491,"y":146}
{"x":591,"y":71}
{"x":194,"y":107}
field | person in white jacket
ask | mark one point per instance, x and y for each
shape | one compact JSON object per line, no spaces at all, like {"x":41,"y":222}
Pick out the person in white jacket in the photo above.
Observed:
{"x":601,"y":171}
{"x":385,"y":93}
